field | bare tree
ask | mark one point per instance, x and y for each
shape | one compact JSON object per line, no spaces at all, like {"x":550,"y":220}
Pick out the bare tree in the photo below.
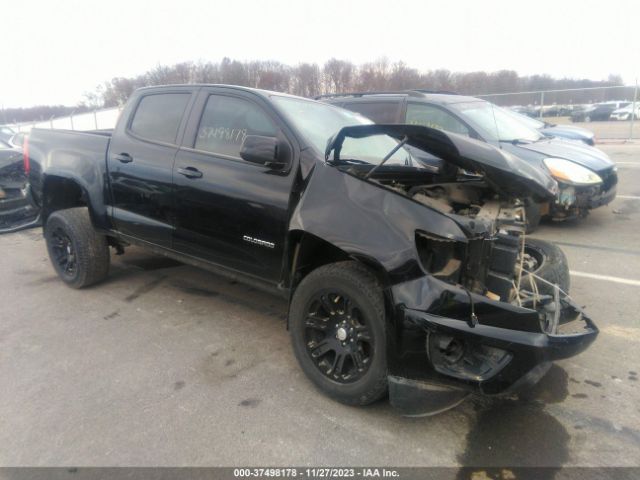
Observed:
{"x":232,"y":72}
{"x":306,"y":80}
{"x":269,"y":75}
{"x":403,"y":77}
{"x":206,"y":73}
{"x":309,"y":80}
{"x":338,"y":75}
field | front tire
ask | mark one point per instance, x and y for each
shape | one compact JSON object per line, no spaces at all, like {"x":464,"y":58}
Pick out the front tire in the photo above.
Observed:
{"x":79,"y":255}
{"x":547,"y":261}
{"x":338,"y":332}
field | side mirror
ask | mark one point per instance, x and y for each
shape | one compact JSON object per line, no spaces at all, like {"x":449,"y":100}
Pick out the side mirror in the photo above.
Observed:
{"x":263,"y":151}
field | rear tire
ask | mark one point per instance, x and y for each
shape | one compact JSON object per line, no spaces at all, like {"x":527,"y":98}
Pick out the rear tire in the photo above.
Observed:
{"x":338,"y":331}
{"x":79,"y":255}
{"x":551,"y":265}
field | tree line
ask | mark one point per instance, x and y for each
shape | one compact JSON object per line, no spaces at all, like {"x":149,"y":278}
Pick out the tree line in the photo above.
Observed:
{"x":311,"y":79}
{"x":335,"y":75}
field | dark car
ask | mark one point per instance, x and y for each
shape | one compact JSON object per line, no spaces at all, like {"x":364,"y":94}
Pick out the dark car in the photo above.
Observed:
{"x":400,"y":276}
{"x":597,"y":112}
{"x":568,"y":132}
{"x":17,"y":209}
{"x":586,"y":176}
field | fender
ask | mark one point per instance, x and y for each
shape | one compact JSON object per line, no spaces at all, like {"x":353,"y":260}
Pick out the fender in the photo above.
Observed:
{"x":374,"y":223}
{"x":59,"y":166}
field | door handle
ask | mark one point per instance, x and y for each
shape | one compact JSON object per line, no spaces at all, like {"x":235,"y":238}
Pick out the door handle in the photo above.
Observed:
{"x":190,"y":172}
{"x":123,"y":157}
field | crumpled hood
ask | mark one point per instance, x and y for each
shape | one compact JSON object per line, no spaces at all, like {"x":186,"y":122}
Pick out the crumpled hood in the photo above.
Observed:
{"x":507,"y":173}
{"x":584,"y":155}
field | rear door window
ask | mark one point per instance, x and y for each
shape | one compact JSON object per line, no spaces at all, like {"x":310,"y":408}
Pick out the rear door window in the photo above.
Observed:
{"x":225,"y":123}
{"x":158,"y":116}
{"x":434,"y":117}
{"x":379,"y":112}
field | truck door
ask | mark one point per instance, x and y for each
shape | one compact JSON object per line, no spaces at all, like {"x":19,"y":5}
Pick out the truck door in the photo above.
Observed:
{"x":228,"y":211}
{"x":140,"y":165}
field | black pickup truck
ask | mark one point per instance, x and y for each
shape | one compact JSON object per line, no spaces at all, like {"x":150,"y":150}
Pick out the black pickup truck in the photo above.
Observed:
{"x":403,"y":276}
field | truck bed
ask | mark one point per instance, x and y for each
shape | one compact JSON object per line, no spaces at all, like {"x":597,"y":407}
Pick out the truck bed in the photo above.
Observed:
{"x":79,"y":155}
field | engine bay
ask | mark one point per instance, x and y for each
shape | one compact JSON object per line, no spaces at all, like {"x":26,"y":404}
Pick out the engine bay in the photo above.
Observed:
{"x":496,"y":261}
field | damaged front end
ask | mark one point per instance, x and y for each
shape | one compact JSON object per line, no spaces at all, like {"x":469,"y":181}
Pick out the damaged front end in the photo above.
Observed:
{"x":18,"y":209}
{"x":475,"y":319}
{"x":463,"y":341}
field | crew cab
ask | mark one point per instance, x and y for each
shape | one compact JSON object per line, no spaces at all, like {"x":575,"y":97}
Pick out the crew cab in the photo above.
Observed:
{"x":411,"y":278}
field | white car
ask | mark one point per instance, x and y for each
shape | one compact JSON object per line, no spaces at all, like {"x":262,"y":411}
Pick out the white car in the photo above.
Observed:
{"x":624,"y":113}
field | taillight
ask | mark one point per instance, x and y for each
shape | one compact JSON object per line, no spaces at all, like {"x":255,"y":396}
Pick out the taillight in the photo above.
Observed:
{"x":25,"y":155}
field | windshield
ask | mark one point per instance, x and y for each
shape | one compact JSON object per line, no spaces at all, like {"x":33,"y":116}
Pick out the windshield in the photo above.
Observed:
{"x":494,"y":123}
{"x":318,"y":122}
{"x":526,"y":119}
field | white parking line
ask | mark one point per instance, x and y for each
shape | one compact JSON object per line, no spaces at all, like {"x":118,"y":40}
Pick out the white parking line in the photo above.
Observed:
{"x":630,"y":197}
{"x":606,"y":278}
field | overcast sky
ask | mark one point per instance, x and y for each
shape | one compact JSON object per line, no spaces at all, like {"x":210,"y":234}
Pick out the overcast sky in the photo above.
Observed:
{"x":54,"y":51}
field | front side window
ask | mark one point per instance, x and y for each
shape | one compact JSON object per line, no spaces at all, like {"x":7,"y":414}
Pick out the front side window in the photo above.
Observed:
{"x":225,"y":123}
{"x":494,"y":123}
{"x":319,"y":122}
{"x":434,"y":117}
{"x":158,"y":116}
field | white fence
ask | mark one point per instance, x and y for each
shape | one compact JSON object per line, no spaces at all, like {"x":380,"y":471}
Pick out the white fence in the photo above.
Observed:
{"x":96,"y":120}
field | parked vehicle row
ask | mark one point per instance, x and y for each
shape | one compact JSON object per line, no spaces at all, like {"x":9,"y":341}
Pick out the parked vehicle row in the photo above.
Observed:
{"x":625,"y":113}
{"x":611,"y":110}
{"x":600,"y":111}
{"x":535,"y":111}
{"x":401,"y":247}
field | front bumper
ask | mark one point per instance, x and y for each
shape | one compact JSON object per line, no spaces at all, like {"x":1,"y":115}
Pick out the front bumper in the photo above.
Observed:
{"x":505,"y":351}
{"x":17,"y":208}
{"x":603,"y":197}
{"x":576,"y":201}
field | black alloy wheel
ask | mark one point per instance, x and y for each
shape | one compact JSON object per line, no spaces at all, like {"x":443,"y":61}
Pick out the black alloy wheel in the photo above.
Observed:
{"x":338,"y":326}
{"x":337,"y":337}
{"x":78,"y":253}
{"x":64,"y":253}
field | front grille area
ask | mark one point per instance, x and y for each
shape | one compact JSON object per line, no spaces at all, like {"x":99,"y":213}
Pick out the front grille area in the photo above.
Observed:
{"x":490,"y":265}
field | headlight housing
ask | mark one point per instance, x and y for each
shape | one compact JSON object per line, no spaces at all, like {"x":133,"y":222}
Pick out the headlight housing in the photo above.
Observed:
{"x":569,"y":172}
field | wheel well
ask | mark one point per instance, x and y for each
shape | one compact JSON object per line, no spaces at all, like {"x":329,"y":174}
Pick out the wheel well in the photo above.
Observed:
{"x":309,"y":252}
{"x":60,"y":193}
